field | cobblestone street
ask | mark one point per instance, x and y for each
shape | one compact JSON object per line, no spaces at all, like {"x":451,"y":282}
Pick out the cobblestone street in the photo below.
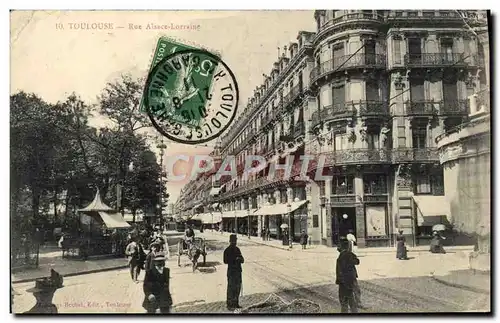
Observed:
{"x":387,"y":285}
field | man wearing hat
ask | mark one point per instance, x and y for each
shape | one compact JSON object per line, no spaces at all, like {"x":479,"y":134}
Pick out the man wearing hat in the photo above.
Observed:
{"x":347,"y":277}
{"x":157,"y":286}
{"x":233,"y":258}
{"x":154,"y":249}
{"x":44,"y":293}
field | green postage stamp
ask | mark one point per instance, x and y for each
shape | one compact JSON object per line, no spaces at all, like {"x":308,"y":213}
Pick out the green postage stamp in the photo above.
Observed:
{"x":191,"y":95}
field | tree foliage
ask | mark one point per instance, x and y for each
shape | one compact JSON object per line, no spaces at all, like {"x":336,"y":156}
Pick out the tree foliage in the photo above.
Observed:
{"x":58,"y":158}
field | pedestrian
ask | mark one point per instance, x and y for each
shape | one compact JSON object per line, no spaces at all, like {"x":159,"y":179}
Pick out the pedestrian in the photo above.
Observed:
{"x":133,"y":253}
{"x":436,"y":245}
{"x":303,"y":239}
{"x":44,"y":293}
{"x":347,"y":278}
{"x":401,"y":252}
{"x":263,"y":233}
{"x":154,"y":249}
{"x":233,"y":258}
{"x":156,"y":287}
{"x":351,"y":239}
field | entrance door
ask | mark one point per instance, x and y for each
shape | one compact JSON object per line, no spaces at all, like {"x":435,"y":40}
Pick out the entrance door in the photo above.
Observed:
{"x":343,"y":220}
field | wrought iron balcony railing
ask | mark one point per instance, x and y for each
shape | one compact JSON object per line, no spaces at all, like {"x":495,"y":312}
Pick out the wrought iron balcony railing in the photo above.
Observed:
{"x":331,"y":112}
{"x":376,"y":189}
{"x":299,"y":130}
{"x":373,"y":108}
{"x":423,"y":108}
{"x":454,"y":107}
{"x":345,"y":62}
{"x":415,"y":155}
{"x":355,"y":16}
{"x":435,"y":59}
{"x":292,"y":95}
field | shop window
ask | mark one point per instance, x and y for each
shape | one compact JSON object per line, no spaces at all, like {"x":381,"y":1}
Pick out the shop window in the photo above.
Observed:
{"x":423,"y":184}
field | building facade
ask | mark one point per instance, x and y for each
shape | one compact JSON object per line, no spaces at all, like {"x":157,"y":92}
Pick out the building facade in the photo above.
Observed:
{"x":367,"y":94}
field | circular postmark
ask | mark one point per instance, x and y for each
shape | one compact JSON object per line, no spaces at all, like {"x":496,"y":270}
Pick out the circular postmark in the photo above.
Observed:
{"x":191,"y":96}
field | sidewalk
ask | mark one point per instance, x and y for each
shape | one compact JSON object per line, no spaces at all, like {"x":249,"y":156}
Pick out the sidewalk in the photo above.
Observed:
{"x":51,"y":258}
{"x":475,"y":281}
{"x":322,"y":248}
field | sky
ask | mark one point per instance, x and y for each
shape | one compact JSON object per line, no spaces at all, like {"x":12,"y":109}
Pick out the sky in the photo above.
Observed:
{"x":52,"y":59}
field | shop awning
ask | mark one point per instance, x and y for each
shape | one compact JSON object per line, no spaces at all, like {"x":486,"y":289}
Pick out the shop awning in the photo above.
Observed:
{"x":215,"y":191}
{"x":211,"y":218}
{"x":113,"y":220}
{"x":238,"y":213}
{"x":280,"y":208}
{"x":432,"y":210}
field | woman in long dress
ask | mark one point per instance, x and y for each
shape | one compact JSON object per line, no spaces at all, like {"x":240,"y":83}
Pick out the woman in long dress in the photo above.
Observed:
{"x":401,"y":252}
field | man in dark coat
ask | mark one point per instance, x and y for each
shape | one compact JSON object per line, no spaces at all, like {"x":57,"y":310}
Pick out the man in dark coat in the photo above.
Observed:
{"x":155,"y":248}
{"x":157,"y":287}
{"x":233,"y":258}
{"x":347,"y":278}
{"x":303,"y":239}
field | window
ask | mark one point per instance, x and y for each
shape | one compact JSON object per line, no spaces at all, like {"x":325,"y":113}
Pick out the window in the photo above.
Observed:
{"x":437,"y":183}
{"x":283,"y":197}
{"x":338,"y":98}
{"x":343,"y":185}
{"x":372,"y":91}
{"x":321,"y":188}
{"x":315,"y":221}
{"x":419,"y":136}
{"x":397,"y":50}
{"x":447,"y":49}
{"x":372,"y":138}
{"x":340,"y":141}
{"x":415,"y":50}
{"x":370,"y":51}
{"x":375,"y":184}
{"x":423,"y":184}
{"x":417,"y":91}
{"x":450,"y":91}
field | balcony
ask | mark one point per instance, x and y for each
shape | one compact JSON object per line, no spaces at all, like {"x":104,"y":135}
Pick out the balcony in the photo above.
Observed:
{"x":342,"y":63}
{"x":436,"y":60}
{"x":352,"y":17}
{"x":332,"y":112}
{"x":294,"y":93}
{"x":299,"y":130}
{"x":410,"y":155}
{"x":358,"y":156}
{"x":373,"y":108}
{"x":455,"y":108}
{"x":422,"y":108}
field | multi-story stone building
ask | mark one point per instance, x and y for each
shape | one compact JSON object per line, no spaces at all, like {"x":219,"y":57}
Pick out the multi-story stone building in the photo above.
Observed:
{"x":369,"y":91}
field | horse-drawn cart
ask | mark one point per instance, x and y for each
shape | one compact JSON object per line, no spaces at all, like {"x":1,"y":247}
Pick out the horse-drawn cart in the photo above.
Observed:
{"x":199,"y":249}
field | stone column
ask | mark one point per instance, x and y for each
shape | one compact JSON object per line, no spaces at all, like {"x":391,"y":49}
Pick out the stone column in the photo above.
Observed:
{"x":360,"y":209}
{"x":484,"y":41}
{"x":251,"y":217}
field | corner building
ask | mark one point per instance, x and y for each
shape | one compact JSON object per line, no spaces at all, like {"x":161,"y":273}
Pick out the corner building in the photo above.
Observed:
{"x":369,"y":91}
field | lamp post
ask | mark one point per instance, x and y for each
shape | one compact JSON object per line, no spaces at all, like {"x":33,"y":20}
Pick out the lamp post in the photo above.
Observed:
{"x":289,"y":210}
{"x":248,"y":228}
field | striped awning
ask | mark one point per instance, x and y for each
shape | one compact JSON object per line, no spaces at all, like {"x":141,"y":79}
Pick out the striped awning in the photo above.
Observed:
{"x":113,"y":220}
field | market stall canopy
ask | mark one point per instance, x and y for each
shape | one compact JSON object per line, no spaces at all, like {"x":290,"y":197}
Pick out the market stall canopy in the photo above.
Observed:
{"x":280,"y":208}
{"x":113,"y":220}
{"x":238,"y":213}
{"x":97,"y":205}
{"x":432,"y":210}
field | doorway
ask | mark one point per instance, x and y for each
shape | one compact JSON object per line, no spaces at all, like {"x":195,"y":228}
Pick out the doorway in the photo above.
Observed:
{"x":343,"y":220}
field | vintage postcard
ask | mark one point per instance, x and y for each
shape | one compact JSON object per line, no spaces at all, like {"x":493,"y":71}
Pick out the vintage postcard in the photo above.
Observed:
{"x":250,"y":162}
